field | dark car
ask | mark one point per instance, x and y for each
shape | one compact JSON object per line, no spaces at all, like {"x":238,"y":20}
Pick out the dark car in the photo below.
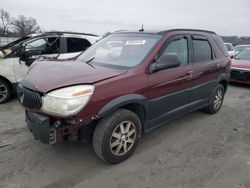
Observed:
{"x":125,"y":84}
{"x":240,"y":69}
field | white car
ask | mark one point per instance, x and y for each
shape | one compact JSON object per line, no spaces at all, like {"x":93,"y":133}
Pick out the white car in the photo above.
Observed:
{"x":230,"y":49}
{"x":16,"y":57}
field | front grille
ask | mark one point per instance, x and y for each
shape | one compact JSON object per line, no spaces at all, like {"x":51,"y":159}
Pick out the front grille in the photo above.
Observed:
{"x":28,"y":98}
{"x":240,"y":74}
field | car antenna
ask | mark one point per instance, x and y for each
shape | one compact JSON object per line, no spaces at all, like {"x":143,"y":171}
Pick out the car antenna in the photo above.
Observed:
{"x":142,"y":29}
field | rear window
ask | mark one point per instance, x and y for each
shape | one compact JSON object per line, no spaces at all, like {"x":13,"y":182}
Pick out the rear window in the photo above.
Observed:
{"x":220,"y":43}
{"x":229,"y":47}
{"x":202,"y":51}
{"x":77,"y":45}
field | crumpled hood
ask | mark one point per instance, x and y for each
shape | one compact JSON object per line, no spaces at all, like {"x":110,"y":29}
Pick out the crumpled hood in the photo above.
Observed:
{"x":240,"y":64}
{"x":49,"y":75}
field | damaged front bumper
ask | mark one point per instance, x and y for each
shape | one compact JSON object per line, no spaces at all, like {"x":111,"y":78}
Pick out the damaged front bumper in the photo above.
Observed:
{"x":41,"y":128}
{"x":50,"y":131}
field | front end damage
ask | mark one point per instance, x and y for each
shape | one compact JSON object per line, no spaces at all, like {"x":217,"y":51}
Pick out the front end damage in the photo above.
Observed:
{"x":52,"y":131}
{"x":49,"y":131}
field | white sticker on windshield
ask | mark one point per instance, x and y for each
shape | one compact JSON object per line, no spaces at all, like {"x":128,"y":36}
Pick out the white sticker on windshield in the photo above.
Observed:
{"x":135,"y":42}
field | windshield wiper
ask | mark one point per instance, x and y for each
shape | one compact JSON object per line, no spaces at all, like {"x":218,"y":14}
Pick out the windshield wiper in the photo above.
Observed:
{"x":88,"y":62}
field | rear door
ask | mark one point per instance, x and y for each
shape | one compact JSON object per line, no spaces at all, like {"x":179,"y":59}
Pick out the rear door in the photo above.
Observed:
{"x":205,"y":68}
{"x":168,"y":88}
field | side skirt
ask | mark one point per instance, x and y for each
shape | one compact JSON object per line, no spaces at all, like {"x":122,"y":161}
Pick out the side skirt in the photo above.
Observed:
{"x":169,"y":116}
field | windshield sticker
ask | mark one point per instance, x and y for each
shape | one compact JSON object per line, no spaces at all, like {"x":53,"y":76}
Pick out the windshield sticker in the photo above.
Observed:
{"x":135,"y":42}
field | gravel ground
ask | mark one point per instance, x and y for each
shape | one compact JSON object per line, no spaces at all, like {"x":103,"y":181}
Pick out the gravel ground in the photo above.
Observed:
{"x":196,"y":150}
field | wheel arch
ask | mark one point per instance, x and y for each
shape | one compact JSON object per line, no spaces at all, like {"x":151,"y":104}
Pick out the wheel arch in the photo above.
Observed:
{"x":7,"y":81}
{"x":133,"y":102}
{"x":223,"y":80}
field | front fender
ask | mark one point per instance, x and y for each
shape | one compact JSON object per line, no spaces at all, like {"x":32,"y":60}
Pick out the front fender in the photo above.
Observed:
{"x":124,"y":100}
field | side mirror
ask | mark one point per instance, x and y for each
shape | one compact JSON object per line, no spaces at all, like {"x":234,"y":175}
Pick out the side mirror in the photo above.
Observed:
{"x":169,"y":60}
{"x":1,"y":55}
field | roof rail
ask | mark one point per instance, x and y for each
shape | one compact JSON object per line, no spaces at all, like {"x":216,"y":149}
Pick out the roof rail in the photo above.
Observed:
{"x":68,"y":32}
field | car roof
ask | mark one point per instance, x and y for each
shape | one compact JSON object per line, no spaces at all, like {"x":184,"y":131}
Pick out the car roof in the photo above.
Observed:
{"x":163,"y":32}
{"x":243,"y":45}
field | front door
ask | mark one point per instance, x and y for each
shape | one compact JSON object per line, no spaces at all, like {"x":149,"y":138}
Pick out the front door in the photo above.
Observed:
{"x":168,"y":88}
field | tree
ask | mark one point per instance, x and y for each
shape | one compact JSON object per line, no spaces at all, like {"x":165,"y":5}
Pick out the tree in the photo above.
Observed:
{"x":24,"y":26}
{"x":5,"y":22}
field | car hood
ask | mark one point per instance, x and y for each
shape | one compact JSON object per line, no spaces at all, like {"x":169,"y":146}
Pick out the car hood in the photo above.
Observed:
{"x":240,"y":64}
{"x":49,"y":75}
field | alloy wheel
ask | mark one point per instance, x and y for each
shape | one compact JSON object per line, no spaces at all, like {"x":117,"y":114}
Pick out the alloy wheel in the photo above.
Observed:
{"x":218,"y":99}
{"x":3,"y":92}
{"x":123,"y":138}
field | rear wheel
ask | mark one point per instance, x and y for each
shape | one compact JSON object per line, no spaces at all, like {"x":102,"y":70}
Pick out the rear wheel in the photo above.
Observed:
{"x":216,"y":100}
{"x":5,"y":91}
{"x":116,"y":136}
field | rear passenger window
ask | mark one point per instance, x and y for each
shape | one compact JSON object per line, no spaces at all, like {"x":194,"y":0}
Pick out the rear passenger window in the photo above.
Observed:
{"x":77,"y":45}
{"x":180,"y":47}
{"x":202,"y":51}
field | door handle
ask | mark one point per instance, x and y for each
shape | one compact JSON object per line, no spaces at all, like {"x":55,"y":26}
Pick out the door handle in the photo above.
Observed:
{"x":189,"y":72}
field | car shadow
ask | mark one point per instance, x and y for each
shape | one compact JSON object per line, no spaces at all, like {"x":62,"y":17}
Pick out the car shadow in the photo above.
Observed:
{"x":247,"y":86}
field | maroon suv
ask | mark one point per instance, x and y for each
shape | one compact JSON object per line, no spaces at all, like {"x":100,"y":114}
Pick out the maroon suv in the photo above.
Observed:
{"x":125,"y":84}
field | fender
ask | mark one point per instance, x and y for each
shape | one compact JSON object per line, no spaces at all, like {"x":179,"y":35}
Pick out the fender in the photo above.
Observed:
{"x":223,"y":77}
{"x":124,"y":100}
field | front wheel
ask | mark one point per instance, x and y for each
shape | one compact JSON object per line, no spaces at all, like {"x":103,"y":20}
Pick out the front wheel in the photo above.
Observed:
{"x":116,"y":136}
{"x":5,"y":91}
{"x":216,"y":100}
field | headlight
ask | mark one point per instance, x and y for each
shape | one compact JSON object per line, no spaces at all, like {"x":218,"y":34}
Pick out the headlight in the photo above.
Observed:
{"x":67,"y":101}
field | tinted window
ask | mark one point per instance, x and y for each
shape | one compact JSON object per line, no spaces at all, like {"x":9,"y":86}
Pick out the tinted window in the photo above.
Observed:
{"x":179,"y":47}
{"x":202,"y":51}
{"x":77,"y":45}
{"x":220,"y":43}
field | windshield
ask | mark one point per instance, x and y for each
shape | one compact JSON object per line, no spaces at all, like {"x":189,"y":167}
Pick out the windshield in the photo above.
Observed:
{"x":244,"y":55}
{"x":120,"y":50}
{"x":241,"y":48}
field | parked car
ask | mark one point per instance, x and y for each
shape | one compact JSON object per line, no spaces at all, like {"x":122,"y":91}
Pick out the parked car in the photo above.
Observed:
{"x":16,"y":57}
{"x":230,"y":49}
{"x":17,"y":41}
{"x":240,"y":70}
{"x":116,"y":92}
{"x":240,"y":48}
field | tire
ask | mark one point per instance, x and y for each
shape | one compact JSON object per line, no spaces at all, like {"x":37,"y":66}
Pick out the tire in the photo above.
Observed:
{"x":5,"y":91}
{"x":216,"y":100}
{"x":116,"y":136}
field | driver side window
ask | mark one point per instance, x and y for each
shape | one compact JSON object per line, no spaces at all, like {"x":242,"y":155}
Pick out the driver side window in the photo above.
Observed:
{"x":179,"y":47}
{"x":37,"y":45}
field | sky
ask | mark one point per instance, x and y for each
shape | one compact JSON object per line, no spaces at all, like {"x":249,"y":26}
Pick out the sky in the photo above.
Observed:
{"x":225,"y":17}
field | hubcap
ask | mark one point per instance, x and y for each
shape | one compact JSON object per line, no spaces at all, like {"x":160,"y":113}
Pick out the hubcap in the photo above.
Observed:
{"x":3,"y":92}
{"x":218,"y":100}
{"x":123,"y":138}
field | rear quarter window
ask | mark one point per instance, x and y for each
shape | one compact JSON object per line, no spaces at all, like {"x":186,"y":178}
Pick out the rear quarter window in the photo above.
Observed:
{"x":219,"y":42}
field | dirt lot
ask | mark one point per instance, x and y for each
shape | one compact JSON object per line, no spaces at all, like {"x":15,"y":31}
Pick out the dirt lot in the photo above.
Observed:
{"x":197,"y":150}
